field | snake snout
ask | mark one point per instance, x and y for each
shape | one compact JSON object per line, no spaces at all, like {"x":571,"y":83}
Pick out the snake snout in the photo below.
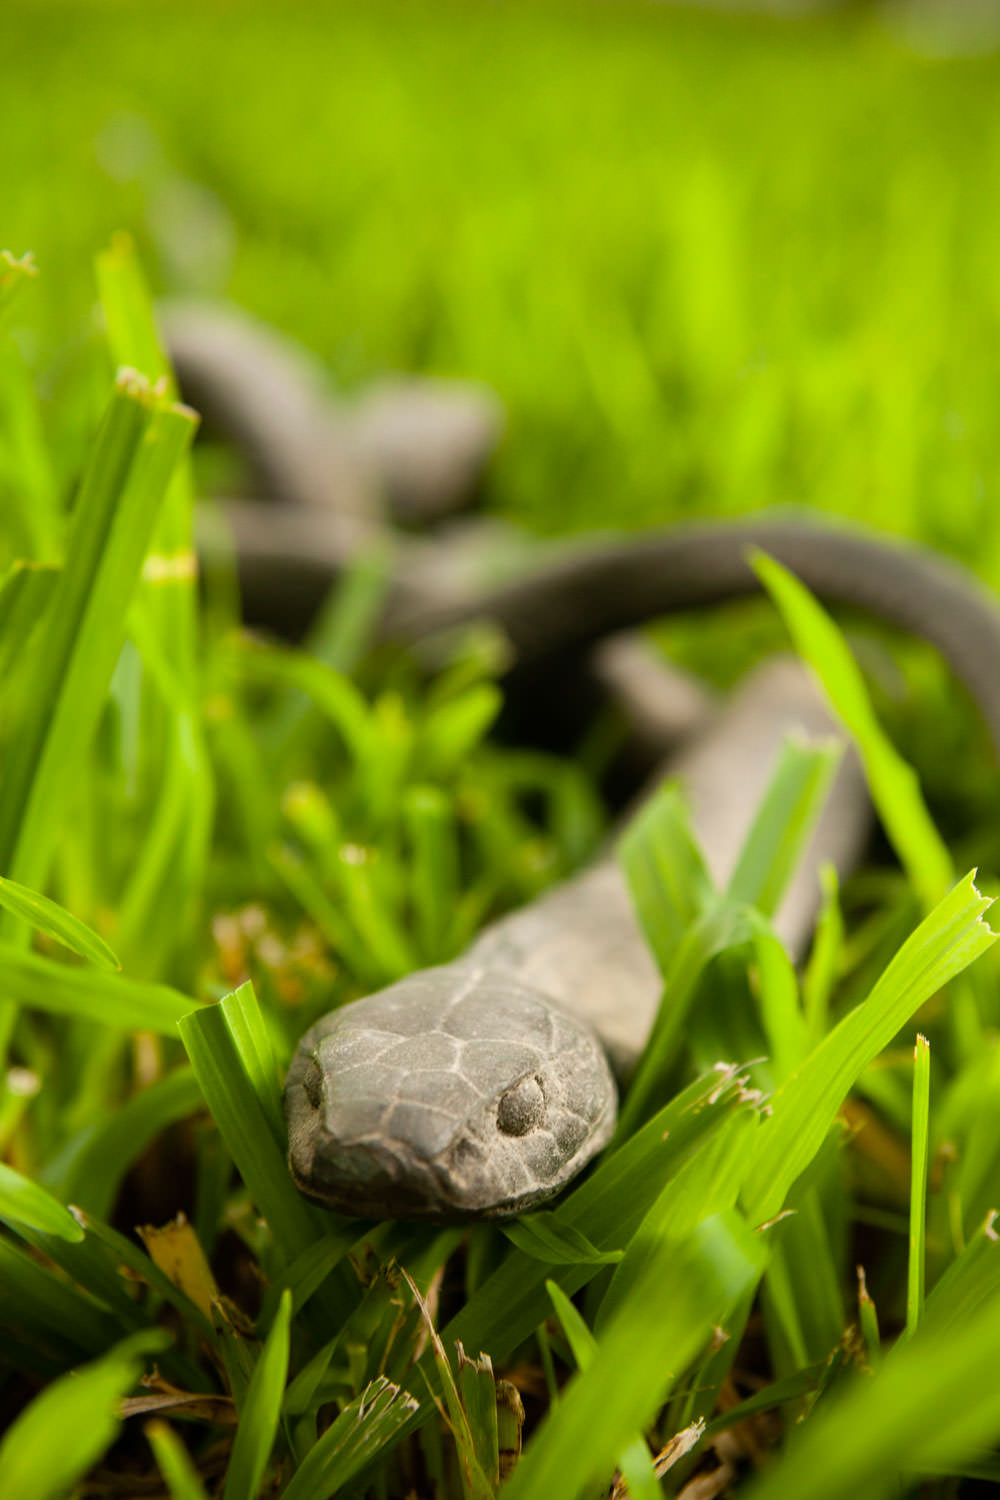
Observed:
{"x":444,"y":1097}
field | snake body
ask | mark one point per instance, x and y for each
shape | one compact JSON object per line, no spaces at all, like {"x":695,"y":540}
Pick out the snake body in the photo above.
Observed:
{"x":484,"y":1085}
{"x":579,"y":948}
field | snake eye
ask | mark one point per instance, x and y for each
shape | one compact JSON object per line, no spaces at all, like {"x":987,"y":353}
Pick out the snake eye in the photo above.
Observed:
{"x":312,"y":1083}
{"x":522,"y":1108}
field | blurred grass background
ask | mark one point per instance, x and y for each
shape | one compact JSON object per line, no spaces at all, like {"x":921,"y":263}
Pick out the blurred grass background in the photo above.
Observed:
{"x":710,"y":263}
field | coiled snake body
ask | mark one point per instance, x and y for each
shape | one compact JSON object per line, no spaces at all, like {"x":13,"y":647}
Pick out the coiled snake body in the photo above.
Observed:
{"x":484,"y":1085}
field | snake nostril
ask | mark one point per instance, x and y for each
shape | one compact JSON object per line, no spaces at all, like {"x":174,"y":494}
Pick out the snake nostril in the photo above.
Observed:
{"x":522,"y":1108}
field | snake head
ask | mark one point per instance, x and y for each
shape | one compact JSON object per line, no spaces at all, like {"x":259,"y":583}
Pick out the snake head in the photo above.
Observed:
{"x":457,"y":1092}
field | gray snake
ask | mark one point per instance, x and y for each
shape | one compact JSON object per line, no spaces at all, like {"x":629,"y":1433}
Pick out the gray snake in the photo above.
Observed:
{"x":484,"y":1085}
{"x":441,"y":1145}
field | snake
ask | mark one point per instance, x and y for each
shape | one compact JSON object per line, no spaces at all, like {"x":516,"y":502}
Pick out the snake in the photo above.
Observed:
{"x":482,"y":1087}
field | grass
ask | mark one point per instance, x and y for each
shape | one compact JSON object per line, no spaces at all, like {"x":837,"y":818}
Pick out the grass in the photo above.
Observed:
{"x":690,"y":301}
{"x":353,"y":827}
{"x":707,"y":263}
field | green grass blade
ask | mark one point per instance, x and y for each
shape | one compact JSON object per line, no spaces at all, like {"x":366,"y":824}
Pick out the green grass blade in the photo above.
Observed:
{"x":919,"y":1150}
{"x":721,"y":926}
{"x":608,"y":1206}
{"x":125,"y":422}
{"x":42,"y":984}
{"x":174,"y":1463}
{"x":136,"y":451}
{"x":171,"y":573}
{"x":782,"y":822}
{"x":894,"y":787}
{"x":24,"y":1202}
{"x":246,"y":1026}
{"x":81,"y":1412}
{"x":15,"y":272}
{"x":668,"y":878}
{"x":685,"y":1290}
{"x":970,"y":1283}
{"x":128,"y":314}
{"x":55,"y":922}
{"x":708,"y":1183}
{"x":435,"y":875}
{"x":25,"y":595}
{"x":231,"y":1095}
{"x":545,"y":1238}
{"x":937,"y":1402}
{"x":331,"y":693}
{"x":91,"y":1177}
{"x":29,"y":494}
{"x":261,"y":1410}
{"x":687,"y":924}
{"x":453,"y":729}
{"x":635,"y":1463}
{"x":803,"y":1109}
{"x":824,"y":959}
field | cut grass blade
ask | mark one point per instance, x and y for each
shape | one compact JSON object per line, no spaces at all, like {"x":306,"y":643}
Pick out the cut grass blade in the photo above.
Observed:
{"x":477,"y":1388}
{"x":365,"y":1427}
{"x":894,"y":787}
{"x":55,"y":922}
{"x":477,"y":1482}
{"x":868,"y":1322}
{"x":170,"y":575}
{"x":804,"y":1108}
